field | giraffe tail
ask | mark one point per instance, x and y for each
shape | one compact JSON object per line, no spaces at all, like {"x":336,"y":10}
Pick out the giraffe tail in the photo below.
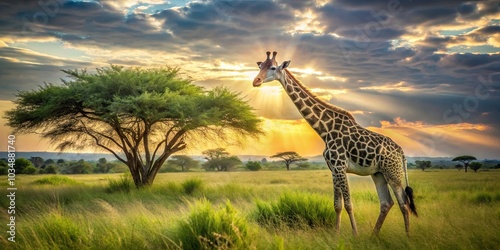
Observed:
{"x":409,"y":190}
{"x":411,"y":203}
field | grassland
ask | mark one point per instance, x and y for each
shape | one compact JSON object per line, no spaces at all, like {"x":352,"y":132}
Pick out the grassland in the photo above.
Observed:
{"x":457,"y":211}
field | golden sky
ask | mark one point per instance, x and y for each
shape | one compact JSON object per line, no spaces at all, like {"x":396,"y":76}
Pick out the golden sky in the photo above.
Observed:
{"x":424,"y":75}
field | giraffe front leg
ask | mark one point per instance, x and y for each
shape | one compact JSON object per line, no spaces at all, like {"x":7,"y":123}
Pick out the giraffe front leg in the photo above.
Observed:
{"x":337,"y":203}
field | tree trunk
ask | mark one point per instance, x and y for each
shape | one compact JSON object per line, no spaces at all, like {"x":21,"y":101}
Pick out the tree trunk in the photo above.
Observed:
{"x":287,"y":167}
{"x":465,"y":166}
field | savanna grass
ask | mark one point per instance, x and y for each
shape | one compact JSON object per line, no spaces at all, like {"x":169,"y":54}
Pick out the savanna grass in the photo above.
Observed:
{"x":123,"y":184}
{"x":190,"y":186}
{"x":296,"y":210}
{"x":457,"y":210}
{"x":207,"y":228}
{"x":55,"y":180}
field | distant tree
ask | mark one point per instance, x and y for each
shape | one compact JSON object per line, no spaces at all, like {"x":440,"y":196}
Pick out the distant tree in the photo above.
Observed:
{"x":497,"y":166}
{"x":60,"y":162}
{"x":140,"y":115}
{"x":220,"y":160}
{"x":423,"y":164}
{"x":263,"y":161}
{"x":475,"y":166}
{"x":78,"y":167}
{"x":304,"y":165}
{"x":253,"y":166}
{"x":289,"y":158}
{"x":48,"y":162}
{"x":20,"y":164}
{"x":37,"y":161}
{"x":103,"y":166}
{"x":51,"y":169}
{"x":184,"y":162}
{"x":465,"y":159}
{"x":30,"y":170}
{"x":459,"y":167}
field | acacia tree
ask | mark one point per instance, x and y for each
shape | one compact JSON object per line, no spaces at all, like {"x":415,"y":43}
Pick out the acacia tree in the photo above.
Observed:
{"x":475,"y":166}
{"x":289,"y":158}
{"x":465,"y":159}
{"x":184,"y":162}
{"x":141,"y":116}
{"x":423,"y":164}
{"x":220,"y":160}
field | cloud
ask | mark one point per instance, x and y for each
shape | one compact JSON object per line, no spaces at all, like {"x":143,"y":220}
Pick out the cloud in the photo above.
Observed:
{"x":382,"y":59}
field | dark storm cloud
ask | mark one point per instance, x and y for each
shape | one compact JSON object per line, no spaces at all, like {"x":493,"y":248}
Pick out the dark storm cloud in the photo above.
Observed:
{"x":31,"y":71}
{"x":367,"y":52}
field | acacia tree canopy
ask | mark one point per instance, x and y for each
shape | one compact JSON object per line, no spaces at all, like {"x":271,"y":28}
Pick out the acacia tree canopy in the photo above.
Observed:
{"x":465,"y":159}
{"x":142,"y":116}
{"x":289,"y":158}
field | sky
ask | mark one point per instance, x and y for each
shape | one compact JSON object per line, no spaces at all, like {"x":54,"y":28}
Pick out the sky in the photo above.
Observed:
{"x":425,"y":73}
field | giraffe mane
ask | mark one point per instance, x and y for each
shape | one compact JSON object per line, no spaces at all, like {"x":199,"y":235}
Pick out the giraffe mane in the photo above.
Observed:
{"x":320,"y":100}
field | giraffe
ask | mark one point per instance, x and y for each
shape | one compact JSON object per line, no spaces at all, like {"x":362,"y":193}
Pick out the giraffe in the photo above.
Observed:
{"x":349,"y":148}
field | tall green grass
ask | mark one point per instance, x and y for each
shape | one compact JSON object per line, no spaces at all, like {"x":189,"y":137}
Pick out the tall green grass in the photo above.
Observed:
{"x":55,"y":180}
{"x":190,"y":186}
{"x":296,"y":210}
{"x":457,"y":210}
{"x":123,"y":184}
{"x":207,"y":228}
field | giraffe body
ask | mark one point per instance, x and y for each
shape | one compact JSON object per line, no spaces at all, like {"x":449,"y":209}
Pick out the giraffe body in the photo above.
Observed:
{"x":349,"y":148}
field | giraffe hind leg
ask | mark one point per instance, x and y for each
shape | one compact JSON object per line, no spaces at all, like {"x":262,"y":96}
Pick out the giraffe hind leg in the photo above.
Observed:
{"x":400,"y":194}
{"x":384,"y":196}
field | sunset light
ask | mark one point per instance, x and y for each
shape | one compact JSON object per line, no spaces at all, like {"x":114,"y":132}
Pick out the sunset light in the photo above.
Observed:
{"x":414,"y":79}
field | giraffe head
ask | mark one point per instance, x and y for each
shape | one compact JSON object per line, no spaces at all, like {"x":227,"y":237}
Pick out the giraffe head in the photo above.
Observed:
{"x":269,"y":70}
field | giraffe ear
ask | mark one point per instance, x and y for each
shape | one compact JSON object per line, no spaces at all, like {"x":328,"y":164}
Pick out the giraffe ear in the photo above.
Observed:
{"x":285,"y":64}
{"x":259,"y":63}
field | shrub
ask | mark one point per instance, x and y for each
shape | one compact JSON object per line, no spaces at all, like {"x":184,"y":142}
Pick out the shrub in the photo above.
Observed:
{"x":29,"y":170}
{"x":55,"y":180}
{"x":206,"y":228}
{"x":124,"y":184}
{"x":51,"y":169}
{"x":4,"y":170}
{"x":296,"y":210}
{"x":253,"y":166}
{"x":191,"y":185}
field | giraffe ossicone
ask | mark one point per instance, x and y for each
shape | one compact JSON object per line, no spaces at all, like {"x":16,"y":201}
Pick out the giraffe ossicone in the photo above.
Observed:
{"x":349,"y":148}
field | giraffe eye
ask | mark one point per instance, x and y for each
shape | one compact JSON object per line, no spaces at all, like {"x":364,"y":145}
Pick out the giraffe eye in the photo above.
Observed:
{"x":273,"y":68}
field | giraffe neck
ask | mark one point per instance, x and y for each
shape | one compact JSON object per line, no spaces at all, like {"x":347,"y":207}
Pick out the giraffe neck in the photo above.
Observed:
{"x":323,"y":117}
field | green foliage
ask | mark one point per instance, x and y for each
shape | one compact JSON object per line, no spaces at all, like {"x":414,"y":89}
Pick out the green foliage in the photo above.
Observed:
{"x":21,"y":164}
{"x":77,"y":167}
{"x":103,"y":166}
{"x":296,"y":210}
{"x":55,"y":180}
{"x":253,"y":166}
{"x":220,"y":160}
{"x":123,"y":184}
{"x":192,"y":185}
{"x":114,"y":106}
{"x":475,"y":166}
{"x":29,"y":170}
{"x":289,"y":158}
{"x":4,"y":170}
{"x":51,"y":169}
{"x":465,"y":159}
{"x":423,"y":164}
{"x":184,"y":162}
{"x":206,"y":228}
